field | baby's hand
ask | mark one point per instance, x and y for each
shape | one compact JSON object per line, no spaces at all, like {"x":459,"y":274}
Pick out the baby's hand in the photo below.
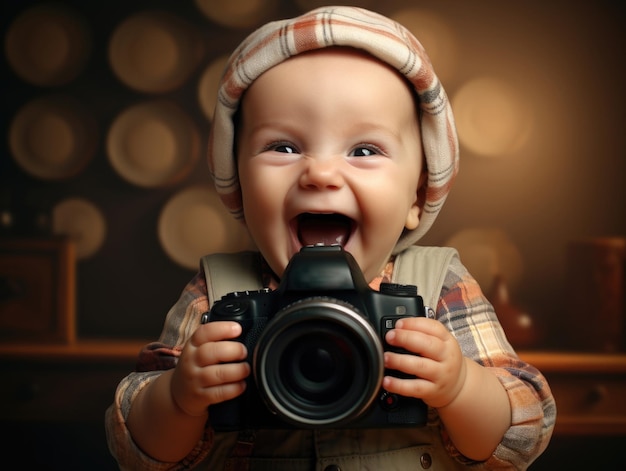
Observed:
{"x":210,"y":368}
{"x":438,"y":365}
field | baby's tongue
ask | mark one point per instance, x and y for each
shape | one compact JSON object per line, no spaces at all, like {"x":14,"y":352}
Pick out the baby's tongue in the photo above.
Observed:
{"x":326,"y":229}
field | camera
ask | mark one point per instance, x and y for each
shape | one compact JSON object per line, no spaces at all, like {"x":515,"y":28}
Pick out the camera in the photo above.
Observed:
{"x":316,"y":347}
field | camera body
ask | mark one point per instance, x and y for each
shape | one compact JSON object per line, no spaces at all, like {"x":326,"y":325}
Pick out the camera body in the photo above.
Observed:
{"x":316,"y":348}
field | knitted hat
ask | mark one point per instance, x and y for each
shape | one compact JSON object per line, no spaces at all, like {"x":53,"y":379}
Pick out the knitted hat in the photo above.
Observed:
{"x":381,"y":37}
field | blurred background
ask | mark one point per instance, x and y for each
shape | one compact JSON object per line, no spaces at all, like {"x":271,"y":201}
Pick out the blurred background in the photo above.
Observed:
{"x":106,"y":111}
{"x":107,"y":107}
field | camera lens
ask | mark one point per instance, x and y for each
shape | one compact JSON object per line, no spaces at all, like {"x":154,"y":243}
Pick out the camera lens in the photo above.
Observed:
{"x":318,"y":362}
{"x":316,"y":367}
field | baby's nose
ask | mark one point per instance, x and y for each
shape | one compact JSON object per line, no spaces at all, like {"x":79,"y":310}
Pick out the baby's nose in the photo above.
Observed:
{"x":322,"y":173}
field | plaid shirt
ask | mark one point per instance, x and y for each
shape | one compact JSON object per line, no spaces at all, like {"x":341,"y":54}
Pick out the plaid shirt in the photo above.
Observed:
{"x":462,"y":308}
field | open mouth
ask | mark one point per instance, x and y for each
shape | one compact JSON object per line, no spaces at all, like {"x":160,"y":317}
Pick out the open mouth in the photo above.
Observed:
{"x":325,"y":229}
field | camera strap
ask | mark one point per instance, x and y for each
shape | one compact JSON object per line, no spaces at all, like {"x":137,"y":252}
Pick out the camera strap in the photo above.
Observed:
{"x":228,"y":272}
{"x":425,"y":267}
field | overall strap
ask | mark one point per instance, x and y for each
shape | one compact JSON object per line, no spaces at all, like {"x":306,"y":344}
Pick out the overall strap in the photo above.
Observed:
{"x":228,"y":272}
{"x":425,"y":267}
{"x":225,"y":273}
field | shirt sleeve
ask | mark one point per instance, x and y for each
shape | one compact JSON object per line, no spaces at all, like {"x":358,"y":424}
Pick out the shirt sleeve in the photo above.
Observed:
{"x":180,"y":323}
{"x":470,"y":317}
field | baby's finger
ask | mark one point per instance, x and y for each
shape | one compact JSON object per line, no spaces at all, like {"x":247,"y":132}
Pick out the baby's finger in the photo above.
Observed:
{"x":422,"y":324}
{"x":410,"y":364}
{"x":215,"y":331}
{"x":225,"y":392}
{"x":213,"y":353}
{"x":415,"y":342}
{"x":217,"y":375}
{"x":425,"y":342}
{"x":417,"y":387}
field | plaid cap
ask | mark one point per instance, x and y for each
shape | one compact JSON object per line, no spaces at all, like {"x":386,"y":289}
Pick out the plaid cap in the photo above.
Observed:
{"x":371,"y":32}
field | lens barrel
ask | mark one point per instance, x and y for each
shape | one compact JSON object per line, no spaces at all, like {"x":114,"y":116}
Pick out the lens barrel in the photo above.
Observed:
{"x":319,"y":362}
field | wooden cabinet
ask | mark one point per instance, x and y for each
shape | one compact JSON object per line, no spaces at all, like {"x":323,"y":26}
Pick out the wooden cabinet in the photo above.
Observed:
{"x":590,"y":394}
{"x":53,"y":399}
{"x":589,"y":389}
{"x":37,"y":290}
{"x":62,"y":382}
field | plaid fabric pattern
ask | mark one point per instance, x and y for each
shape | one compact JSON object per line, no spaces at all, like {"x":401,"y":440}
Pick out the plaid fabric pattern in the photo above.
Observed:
{"x":339,"y":26}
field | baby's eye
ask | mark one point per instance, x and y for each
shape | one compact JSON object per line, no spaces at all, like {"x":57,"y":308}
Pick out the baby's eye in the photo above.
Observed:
{"x":365,"y":151}
{"x":283,"y":147}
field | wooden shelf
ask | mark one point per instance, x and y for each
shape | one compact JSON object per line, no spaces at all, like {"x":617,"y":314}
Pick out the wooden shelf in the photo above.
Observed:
{"x":106,"y":349}
{"x":82,"y":350}
{"x":575,"y":362}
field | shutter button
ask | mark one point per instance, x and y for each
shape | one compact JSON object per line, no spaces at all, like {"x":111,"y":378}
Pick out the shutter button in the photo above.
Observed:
{"x":426,"y":461}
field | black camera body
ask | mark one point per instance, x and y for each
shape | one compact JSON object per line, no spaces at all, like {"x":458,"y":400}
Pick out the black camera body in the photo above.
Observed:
{"x":316,"y":348}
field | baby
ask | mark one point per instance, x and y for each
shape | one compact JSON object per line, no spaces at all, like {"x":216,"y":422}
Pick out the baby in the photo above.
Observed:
{"x":332,"y":129}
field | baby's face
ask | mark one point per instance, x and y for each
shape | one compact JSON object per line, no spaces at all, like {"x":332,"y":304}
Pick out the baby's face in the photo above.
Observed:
{"x":329,"y":152}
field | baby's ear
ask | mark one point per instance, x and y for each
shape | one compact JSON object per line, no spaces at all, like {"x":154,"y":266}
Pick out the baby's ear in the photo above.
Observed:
{"x":415,"y":212}
{"x":413,"y":217}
